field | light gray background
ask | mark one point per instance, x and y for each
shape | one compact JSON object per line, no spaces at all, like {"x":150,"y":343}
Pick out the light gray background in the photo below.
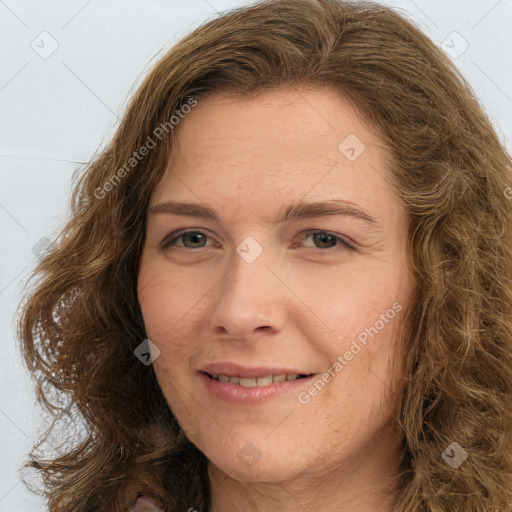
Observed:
{"x":57,"y":110}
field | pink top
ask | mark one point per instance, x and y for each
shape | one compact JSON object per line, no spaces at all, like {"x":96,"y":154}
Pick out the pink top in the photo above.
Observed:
{"x":145,"y":504}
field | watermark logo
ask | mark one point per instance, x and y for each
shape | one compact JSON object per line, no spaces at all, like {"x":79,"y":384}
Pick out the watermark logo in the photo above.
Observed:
{"x":147,"y":352}
{"x":454,"y":455}
{"x":42,"y":247}
{"x":45,"y":45}
{"x":249,"y":249}
{"x":249,"y":454}
{"x":351,"y":147}
{"x":454,"y":45}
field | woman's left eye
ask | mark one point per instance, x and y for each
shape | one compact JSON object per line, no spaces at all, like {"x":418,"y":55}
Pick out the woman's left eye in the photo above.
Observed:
{"x":327,"y":240}
{"x":198,"y":239}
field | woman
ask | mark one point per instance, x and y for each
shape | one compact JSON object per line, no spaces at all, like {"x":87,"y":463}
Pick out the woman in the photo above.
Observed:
{"x":286,"y":283}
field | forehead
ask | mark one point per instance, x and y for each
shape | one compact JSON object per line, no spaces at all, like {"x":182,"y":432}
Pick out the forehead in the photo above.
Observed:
{"x":262,"y":125}
{"x":289,"y":140}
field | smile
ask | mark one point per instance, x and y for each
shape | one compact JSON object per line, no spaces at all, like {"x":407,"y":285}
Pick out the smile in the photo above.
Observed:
{"x":249,"y":390}
{"x":260,"y":382}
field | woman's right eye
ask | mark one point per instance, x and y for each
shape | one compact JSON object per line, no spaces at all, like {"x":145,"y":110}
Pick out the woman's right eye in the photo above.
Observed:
{"x":196,"y":239}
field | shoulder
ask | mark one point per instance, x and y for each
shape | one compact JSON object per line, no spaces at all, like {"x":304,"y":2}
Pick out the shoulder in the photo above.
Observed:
{"x":145,"y":504}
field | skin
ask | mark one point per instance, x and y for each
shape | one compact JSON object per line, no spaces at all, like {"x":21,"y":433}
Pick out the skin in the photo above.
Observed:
{"x":300,"y":304}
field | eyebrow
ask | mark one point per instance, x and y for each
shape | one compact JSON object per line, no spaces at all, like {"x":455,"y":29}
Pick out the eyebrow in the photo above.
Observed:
{"x":298,"y":210}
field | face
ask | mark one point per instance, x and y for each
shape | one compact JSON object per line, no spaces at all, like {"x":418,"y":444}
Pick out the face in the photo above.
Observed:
{"x":275,"y":246}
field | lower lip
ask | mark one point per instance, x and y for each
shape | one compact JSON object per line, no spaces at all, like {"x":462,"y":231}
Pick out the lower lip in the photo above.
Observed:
{"x":257,"y":394}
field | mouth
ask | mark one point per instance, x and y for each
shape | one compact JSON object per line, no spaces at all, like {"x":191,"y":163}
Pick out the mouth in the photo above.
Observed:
{"x":250,"y":382}
{"x":244,"y":390}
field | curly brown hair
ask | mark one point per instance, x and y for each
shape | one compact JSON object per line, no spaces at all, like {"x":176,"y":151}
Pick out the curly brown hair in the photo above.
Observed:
{"x":81,"y":323}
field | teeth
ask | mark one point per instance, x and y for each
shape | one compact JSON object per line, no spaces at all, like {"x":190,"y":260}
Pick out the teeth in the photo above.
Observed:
{"x":264,"y":381}
{"x":248,"y":383}
{"x":260,"y":381}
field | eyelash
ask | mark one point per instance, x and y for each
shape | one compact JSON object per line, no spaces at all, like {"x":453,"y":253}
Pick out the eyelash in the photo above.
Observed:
{"x":170,"y":242}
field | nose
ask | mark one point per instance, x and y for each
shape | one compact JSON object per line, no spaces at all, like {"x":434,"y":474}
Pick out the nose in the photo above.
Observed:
{"x":251,"y":298}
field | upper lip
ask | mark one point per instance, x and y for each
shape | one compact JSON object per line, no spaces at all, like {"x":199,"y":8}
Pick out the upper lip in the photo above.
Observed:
{"x":236,"y":370}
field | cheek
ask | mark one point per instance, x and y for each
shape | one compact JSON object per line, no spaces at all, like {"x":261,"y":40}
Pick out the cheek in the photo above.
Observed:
{"x":364,"y":314}
{"x":170,"y":302}
{"x":348,"y":301}
{"x":174,"y":317}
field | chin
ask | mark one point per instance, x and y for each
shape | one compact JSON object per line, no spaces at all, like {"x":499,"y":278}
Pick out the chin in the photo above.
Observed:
{"x":265,"y":470}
